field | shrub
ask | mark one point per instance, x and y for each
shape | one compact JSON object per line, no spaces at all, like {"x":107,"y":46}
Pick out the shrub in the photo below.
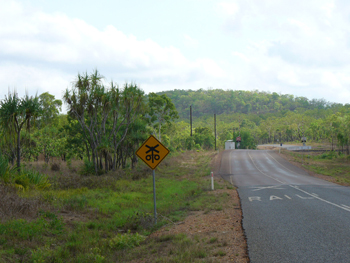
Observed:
{"x":6,"y":172}
{"x":76,"y":203}
{"x":88,"y":168}
{"x":38,"y":180}
{"x":330,"y":155}
{"x":139,"y":220}
{"x":13,"y":206}
{"x":127,"y":240}
{"x":55,"y":167}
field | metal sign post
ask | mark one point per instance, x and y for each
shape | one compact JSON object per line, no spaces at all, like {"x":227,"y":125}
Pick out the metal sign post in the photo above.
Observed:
{"x":152,"y":152}
{"x":154,"y":197}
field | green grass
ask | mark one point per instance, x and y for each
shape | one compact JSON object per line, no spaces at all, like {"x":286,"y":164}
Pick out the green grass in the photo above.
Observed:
{"x":328,"y":163}
{"x":83,"y":224}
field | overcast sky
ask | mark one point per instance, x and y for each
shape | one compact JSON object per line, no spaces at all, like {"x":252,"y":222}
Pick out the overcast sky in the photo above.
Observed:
{"x":294,"y":47}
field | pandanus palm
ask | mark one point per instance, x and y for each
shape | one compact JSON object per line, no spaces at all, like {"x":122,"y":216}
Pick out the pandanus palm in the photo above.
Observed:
{"x":16,"y":114}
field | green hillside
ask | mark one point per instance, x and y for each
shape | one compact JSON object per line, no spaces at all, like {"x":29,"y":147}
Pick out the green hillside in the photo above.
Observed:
{"x":260,"y":117}
{"x":238,"y":101}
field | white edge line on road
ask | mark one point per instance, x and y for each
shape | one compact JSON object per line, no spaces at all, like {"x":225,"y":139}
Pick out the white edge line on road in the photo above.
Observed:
{"x":297,"y":188}
{"x":346,"y":206}
{"x":321,"y":199}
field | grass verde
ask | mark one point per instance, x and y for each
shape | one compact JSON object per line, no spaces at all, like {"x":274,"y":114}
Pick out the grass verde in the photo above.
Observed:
{"x":78,"y":218}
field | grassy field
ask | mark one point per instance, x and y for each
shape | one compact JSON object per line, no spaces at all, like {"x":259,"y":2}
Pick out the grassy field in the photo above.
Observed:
{"x":334,"y":164}
{"x":108,"y":218}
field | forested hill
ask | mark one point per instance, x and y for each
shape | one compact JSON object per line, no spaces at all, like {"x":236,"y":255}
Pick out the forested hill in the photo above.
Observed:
{"x":219,"y":101}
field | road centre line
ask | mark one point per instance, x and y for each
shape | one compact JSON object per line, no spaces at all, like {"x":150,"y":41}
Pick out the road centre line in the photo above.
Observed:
{"x":297,"y":188}
{"x":265,"y":173}
{"x":266,"y":153}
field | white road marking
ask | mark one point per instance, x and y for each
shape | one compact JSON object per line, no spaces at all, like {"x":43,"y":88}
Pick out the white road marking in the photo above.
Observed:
{"x":304,"y":197}
{"x":297,"y":188}
{"x":281,"y":164}
{"x":265,"y":173}
{"x":266,"y":187}
{"x":273,"y":197}
{"x":254,"y":198}
{"x":346,"y":206}
{"x":287,"y":196}
{"x":321,"y":199}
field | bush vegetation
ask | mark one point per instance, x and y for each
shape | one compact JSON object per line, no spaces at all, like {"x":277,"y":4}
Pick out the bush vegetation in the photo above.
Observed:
{"x":107,"y":218}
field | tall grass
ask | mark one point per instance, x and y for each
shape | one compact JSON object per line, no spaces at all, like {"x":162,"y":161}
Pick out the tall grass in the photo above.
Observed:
{"x":89,"y":216}
{"x":22,"y":180}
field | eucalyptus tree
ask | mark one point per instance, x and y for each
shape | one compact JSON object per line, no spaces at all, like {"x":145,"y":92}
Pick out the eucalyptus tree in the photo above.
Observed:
{"x":162,"y":110}
{"x":51,"y":107}
{"x":18,"y":113}
{"x":101,"y":111}
{"x":332,"y":126}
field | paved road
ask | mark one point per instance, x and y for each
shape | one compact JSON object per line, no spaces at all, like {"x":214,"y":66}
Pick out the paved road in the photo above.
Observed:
{"x":288,"y":216}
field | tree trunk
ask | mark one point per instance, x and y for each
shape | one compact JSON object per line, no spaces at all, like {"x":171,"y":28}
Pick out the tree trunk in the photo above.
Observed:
{"x":94,"y":157}
{"x":19,"y":150}
{"x":87,"y":151}
{"x":134,"y":161}
{"x":106,"y":162}
{"x":114,"y":155}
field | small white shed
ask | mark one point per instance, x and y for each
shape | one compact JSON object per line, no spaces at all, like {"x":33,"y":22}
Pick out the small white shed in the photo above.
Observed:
{"x":229,"y":145}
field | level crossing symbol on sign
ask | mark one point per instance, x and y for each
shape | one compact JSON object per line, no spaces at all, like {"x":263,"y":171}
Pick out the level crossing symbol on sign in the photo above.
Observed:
{"x":152,"y":152}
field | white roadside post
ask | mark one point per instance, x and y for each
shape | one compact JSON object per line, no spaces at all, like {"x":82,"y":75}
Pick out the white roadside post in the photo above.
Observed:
{"x":212,"y":181}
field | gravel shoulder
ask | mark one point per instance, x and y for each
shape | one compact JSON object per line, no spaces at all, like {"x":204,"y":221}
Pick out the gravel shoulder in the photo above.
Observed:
{"x":219,"y":231}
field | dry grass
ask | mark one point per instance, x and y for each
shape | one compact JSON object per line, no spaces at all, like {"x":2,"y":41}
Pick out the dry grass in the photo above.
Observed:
{"x":64,"y":176}
{"x":203,"y":236}
{"x":77,"y":232}
{"x":319,"y":164}
{"x":14,"y":206}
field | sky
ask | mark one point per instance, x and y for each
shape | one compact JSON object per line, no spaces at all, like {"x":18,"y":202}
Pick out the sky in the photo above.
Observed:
{"x":290,"y":47}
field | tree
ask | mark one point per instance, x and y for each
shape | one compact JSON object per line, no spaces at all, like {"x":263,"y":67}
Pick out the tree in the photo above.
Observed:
{"x":49,"y":142}
{"x":16,"y":113}
{"x":50,"y":107}
{"x":102,"y":112}
{"x":162,"y":110}
{"x":204,"y":137}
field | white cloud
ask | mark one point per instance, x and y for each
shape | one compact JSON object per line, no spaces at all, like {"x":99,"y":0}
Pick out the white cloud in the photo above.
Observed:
{"x":241,"y":56}
{"x":229,"y":8}
{"x":296,"y":47}
{"x":190,"y":42}
{"x":45,"y":51}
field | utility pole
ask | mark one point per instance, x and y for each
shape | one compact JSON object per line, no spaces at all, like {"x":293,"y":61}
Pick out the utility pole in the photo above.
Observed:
{"x":191,"y":118}
{"x":215,"y":128}
{"x":239,"y":126}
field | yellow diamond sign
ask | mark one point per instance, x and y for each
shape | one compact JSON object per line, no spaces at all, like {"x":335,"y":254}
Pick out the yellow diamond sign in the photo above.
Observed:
{"x":152,"y":152}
